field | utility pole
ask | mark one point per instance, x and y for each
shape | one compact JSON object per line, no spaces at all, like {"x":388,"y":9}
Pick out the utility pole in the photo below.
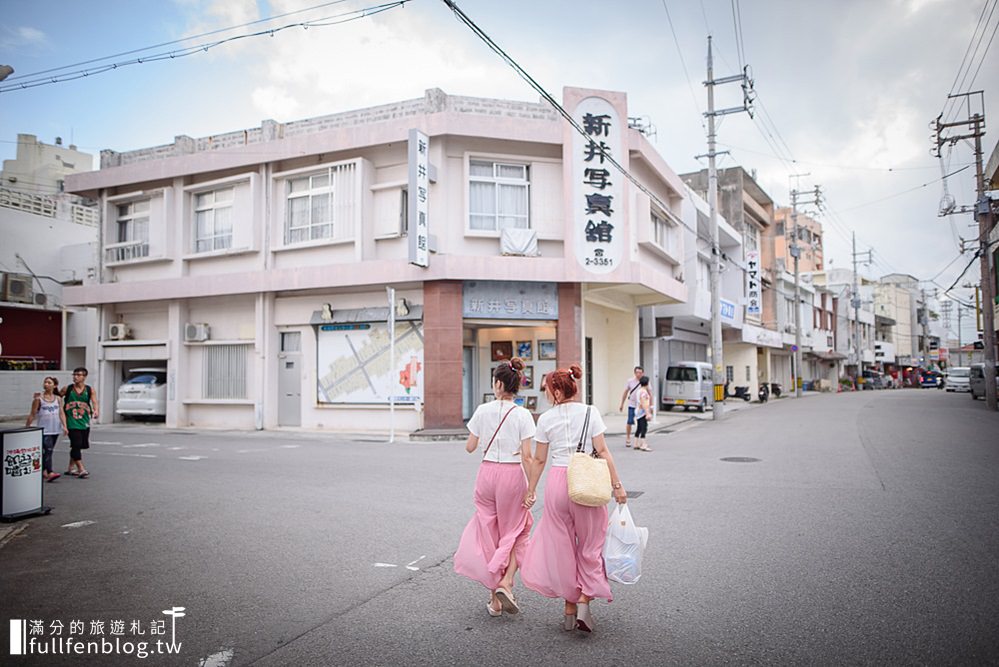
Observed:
{"x":855,"y":302}
{"x":924,"y":342}
{"x":974,"y":126}
{"x":718,"y":411}
{"x":795,"y":250}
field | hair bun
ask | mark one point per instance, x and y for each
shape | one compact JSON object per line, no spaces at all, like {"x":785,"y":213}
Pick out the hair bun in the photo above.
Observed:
{"x":517,"y":363}
{"x":577,"y":371}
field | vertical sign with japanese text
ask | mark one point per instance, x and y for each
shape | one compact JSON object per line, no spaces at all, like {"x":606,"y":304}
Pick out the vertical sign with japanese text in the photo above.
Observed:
{"x":754,"y":301}
{"x":598,"y":200}
{"x":419,"y":198}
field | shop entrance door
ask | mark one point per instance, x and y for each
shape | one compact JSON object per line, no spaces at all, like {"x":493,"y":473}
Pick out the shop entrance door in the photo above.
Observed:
{"x":467,"y":357}
{"x":290,"y":379}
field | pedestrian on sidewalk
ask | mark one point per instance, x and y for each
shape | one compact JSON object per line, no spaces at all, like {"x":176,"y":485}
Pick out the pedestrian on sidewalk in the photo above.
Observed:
{"x":630,"y":387}
{"x":80,"y":405}
{"x":494,"y":541}
{"x":643,"y":414}
{"x":46,"y":412}
{"x":564,"y":557}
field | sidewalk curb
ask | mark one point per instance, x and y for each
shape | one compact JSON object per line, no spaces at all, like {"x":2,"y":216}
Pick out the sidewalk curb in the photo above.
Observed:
{"x":9,"y":532}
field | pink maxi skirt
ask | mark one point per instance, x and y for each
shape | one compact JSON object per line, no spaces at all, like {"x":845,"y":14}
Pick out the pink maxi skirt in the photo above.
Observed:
{"x":499,"y":527}
{"x":565,"y":555}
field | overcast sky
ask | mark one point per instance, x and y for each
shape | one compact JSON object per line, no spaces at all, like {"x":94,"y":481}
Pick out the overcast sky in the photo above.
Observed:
{"x":847,"y":87}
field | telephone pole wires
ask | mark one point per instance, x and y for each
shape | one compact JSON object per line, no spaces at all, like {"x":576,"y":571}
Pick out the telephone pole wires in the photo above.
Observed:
{"x":973,"y":128}
{"x":718,"y":411}
{"x":815,"y":199}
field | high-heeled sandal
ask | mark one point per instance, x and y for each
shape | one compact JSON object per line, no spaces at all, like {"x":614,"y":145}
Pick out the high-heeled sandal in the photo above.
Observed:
{"x":569,"y":622}
{"x":505,"y":598}
{"x":584,"y":619}
{"x":493,"y":612}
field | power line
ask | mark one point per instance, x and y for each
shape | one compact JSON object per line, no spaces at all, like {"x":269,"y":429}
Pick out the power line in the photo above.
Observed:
{"x":954,"y":103}
{"x":171,"y":43}
{"x":679,"y":51}
{"x":336,"y":19}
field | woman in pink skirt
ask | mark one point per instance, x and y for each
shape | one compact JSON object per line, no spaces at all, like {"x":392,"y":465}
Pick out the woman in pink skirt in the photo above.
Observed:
{"x":494,"y":540}
{"x":564,"y":558}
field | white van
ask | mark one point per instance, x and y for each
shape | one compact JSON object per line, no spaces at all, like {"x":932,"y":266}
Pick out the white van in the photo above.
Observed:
{"x":688,"y":384}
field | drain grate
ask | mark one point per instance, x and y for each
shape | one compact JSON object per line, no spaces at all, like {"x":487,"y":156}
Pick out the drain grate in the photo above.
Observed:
{"x":740,"y":459}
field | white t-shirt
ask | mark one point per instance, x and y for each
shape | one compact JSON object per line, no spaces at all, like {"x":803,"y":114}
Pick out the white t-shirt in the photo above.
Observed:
{"x":506,"y":446}
{"x":632,"y":400}
{"x":560,"y":427}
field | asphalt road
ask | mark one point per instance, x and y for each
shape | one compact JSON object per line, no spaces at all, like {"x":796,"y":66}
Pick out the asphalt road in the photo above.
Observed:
{"x":866,"y":533}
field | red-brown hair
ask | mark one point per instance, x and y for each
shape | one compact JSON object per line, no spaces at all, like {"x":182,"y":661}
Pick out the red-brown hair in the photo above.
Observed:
{"x":563,"y":380}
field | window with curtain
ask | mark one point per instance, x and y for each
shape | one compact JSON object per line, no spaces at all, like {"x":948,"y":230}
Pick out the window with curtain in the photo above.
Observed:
{"x":498,"y":195}
{"x":213,"y":220}
{"x":131,"y":232}
{"x":321,"y":205}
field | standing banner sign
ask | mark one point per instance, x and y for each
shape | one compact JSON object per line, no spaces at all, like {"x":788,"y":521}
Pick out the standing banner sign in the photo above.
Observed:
{"x":419,"y":198}
{"x":21,"y":476}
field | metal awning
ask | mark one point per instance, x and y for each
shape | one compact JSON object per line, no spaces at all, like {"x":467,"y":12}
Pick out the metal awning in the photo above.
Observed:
{"x":351,"y":315}
{"x":826,"y":356}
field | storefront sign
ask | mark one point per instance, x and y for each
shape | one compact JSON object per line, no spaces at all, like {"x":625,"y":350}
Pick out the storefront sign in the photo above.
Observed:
{"x":727,"y":310}
{"x":21,"y":477}
{"x":419,"y":198}
{"x":754,"y":301}
{"x":353,"y":363}
{"x":509,"y":300}
{"x":598,"y":187}
{"x":760,"y":336}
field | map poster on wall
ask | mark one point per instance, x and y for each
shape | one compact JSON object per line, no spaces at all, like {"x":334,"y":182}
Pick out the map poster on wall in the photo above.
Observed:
{"x":354,"y":363}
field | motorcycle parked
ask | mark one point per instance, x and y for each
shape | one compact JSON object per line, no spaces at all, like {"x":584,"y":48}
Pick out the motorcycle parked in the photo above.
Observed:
{"x":741,"y":392}
{"x":775,"y":389}
{"x":764,"y":393}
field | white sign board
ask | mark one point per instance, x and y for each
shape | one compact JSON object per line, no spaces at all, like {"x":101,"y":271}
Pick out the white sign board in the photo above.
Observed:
{"x":597,"y":199}
{"x":419,"y":198}
{"x":354,"y":363}
{"x":21,"y":478}
{"x":754,"y":288}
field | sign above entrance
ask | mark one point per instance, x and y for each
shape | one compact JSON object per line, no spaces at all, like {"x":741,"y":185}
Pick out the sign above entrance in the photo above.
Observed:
{"x":597,"y":202}
{"x":509,"y":300}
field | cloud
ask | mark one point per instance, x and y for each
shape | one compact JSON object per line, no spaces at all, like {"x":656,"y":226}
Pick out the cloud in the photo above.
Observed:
{"x":22,"y":37}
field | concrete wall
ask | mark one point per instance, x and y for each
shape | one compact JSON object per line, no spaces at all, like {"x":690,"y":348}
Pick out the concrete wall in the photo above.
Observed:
{"x":17,"y":388}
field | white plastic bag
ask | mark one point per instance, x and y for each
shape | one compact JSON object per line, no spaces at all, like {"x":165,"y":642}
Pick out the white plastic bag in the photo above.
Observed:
{"x":624,"y":547}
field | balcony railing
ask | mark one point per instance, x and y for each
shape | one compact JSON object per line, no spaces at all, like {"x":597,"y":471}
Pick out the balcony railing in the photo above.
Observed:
{"x":126,"y":252}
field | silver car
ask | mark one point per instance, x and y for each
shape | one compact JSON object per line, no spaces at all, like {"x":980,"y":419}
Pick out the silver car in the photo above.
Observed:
{"x":143,"y":394}
{"x":977,"y":381}
{"x":958,"y":379}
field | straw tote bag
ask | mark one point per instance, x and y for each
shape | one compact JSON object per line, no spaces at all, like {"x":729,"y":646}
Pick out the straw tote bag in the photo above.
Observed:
{"x":588,"y":477}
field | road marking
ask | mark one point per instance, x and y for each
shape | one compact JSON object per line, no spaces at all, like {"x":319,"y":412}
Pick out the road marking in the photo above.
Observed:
{"x":143,"y":444}
{"x":220,"y":659}
{"x":386,"y":565}
{"x":103,"y":442}
{"x":145,"y":456}
{"x":410,"y":566}
{"x":175,"y":449}
{"x":289,"y":446}
{"x":77,"y":524}
{"x":248,"y":451}
{"x":190,"y":458}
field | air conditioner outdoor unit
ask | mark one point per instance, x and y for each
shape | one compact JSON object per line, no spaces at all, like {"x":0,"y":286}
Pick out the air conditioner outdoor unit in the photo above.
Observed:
{"x":41,"y":299}
{"x":195,"y":332}
{"x":118,"y":331}
{"x":17,"y":288}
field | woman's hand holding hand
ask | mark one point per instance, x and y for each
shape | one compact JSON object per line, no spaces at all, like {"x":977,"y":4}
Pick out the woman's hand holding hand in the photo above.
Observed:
{"x":620,"y":495}
{"x":529,"y":499}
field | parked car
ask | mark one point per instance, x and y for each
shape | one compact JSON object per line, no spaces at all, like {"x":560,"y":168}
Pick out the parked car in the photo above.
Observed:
{"x":976,"y":381}
{"x":929,"y":379}
{"x":958,"y":378}
{"x":143,"y":394}
{"x":688,"y":384}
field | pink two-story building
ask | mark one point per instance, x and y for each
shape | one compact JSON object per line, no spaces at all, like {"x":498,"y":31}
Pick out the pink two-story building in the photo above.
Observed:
{"x":254,"y":265}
